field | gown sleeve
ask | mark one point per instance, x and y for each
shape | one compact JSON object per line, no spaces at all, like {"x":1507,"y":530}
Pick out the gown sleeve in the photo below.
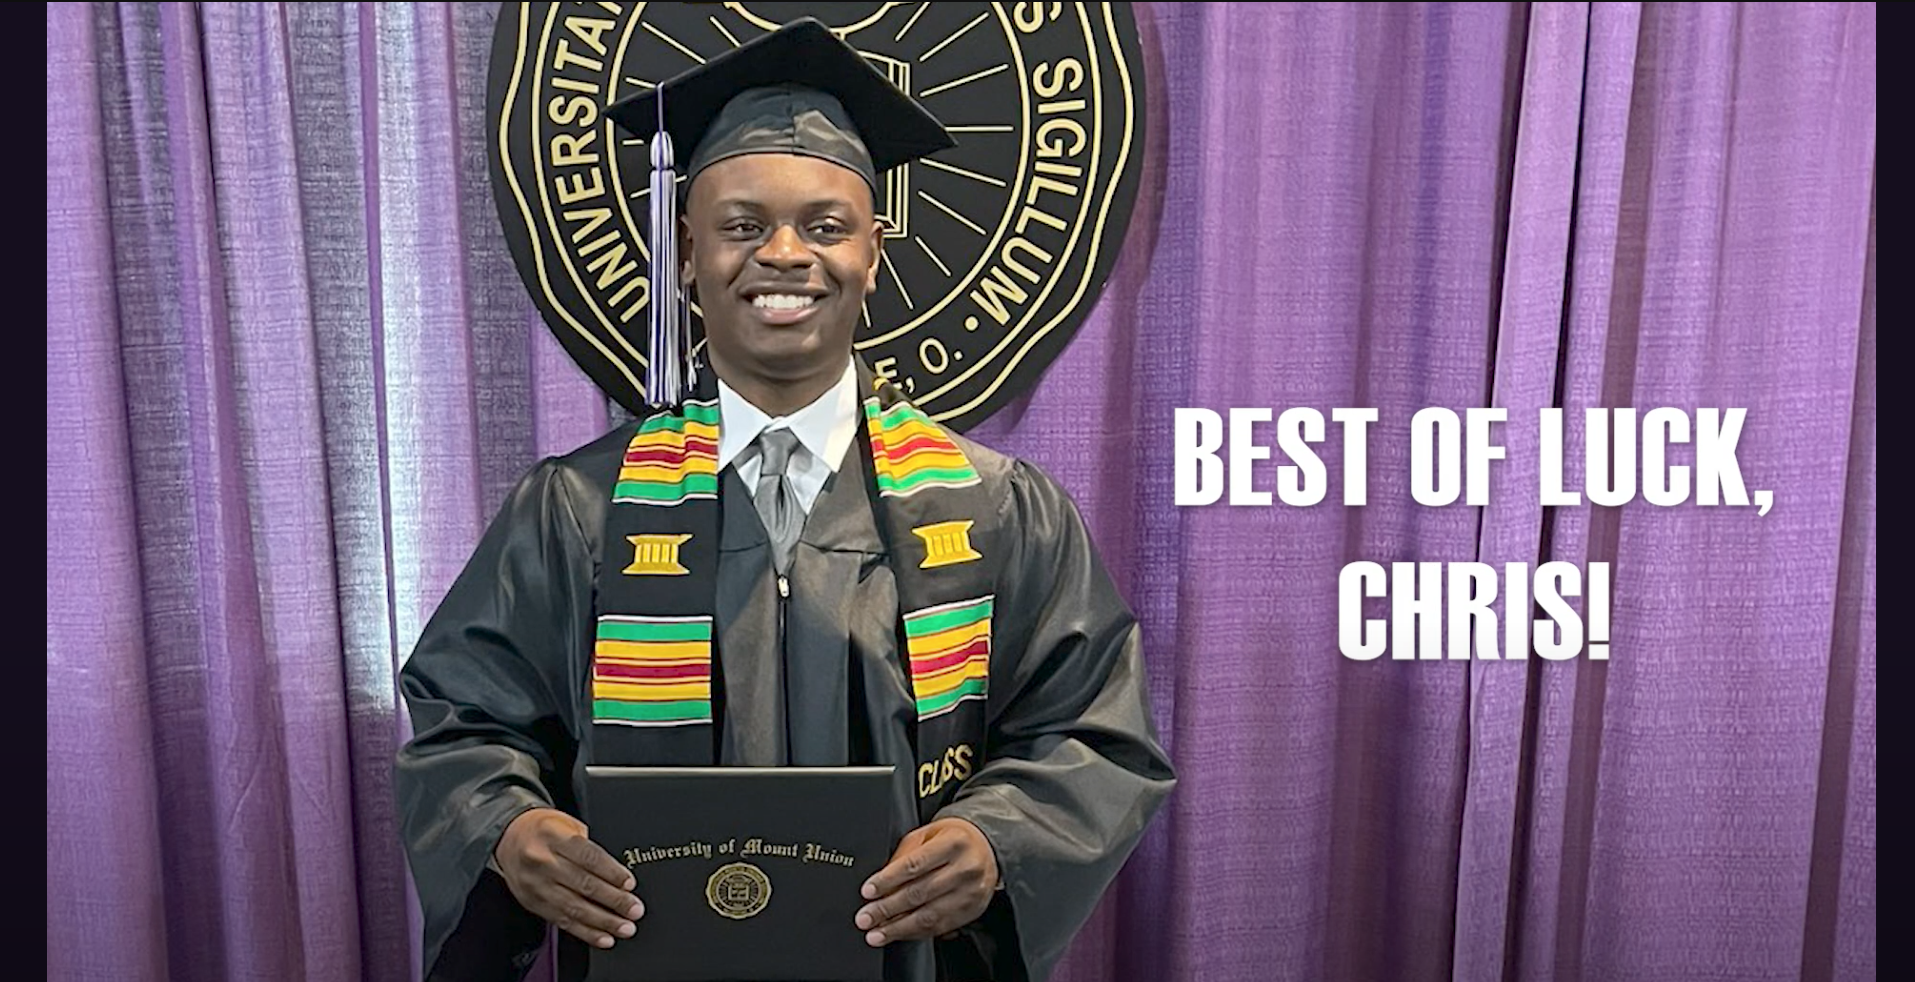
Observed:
{"x":1072,"y":769}
{"x":493,"y":732}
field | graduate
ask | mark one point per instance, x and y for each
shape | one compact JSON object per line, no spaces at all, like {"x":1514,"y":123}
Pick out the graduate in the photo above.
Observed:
{"x":783,"y":563}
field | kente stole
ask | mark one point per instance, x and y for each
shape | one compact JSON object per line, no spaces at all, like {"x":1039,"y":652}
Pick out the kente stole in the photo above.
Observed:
{"x":655,"y":660}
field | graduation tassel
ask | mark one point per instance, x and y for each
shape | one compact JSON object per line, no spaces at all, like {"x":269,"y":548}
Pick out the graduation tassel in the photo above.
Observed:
{"x":666,"y":369}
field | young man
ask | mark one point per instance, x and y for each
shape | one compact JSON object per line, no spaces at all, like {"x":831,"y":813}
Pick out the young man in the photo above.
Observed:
{"x":866,"y":587}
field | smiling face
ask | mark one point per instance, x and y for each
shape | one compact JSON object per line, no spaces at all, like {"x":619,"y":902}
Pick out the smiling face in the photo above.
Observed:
{"x":783,"y":250}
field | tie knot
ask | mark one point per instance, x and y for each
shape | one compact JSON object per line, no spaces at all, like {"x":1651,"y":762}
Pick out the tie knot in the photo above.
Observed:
{"x":775,"y":448}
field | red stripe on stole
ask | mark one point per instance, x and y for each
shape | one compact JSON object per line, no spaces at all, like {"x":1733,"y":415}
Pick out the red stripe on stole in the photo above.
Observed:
{"x":652,"y":673}
{"x":672,"y":455}
{"x":923,"y":441}
{"x":930,"y":687}
{"x":931,"y":665}
{"x":663,"y":458}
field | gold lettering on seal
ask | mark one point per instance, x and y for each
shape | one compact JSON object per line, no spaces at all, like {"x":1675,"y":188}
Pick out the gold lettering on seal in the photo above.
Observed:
{"x":1054,"y":185}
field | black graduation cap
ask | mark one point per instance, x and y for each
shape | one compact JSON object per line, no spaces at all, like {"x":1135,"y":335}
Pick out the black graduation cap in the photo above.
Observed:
{"x":800,"y":90}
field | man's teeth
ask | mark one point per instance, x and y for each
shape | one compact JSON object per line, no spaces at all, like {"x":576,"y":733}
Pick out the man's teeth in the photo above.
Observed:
{"x":782,"y":301}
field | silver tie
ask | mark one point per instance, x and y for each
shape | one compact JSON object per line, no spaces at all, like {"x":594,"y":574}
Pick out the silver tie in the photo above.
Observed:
{"x":775,"y":499}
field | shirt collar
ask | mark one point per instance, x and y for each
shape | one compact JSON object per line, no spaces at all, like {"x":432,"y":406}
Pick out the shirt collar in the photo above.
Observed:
{"x":825,"y":428}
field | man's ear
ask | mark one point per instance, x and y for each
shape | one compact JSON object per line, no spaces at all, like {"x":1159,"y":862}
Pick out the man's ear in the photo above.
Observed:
{"x":877,"y":256}
{"x":685,"y":275}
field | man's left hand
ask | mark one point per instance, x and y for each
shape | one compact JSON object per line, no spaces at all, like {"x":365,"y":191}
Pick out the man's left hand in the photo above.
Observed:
{"x":940,"y":879}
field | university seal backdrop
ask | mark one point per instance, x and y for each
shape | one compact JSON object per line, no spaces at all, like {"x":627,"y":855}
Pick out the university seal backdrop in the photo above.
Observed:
{"x":994,"y":250}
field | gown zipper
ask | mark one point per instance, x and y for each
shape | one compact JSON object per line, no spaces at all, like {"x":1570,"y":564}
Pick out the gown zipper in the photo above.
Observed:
{"x":784,"y":596}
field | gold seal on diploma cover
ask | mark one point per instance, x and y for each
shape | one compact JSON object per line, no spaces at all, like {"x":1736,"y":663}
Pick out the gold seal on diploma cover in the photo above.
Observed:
{"x":738,"y":890}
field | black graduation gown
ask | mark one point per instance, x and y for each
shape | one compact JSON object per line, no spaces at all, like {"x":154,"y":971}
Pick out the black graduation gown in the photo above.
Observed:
{"x":498,"y":687}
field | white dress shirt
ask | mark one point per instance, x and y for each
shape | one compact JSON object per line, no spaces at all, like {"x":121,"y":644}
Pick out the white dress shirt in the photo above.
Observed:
{"x":824,"y":429}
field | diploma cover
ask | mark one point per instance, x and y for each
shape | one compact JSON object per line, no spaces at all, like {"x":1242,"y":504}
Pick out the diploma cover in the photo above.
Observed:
{"x":748,"y":874}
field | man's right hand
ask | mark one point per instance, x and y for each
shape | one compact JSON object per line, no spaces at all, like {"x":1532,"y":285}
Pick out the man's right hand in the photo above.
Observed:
{"x":559,"y":874}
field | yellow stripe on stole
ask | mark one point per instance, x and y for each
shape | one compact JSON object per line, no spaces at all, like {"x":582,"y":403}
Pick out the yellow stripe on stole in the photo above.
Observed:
{"x":944,"y":642}
{"x":654,"y":652}
{"x":627,"y":691}
{"x":670,"y":438}
{"x":668,"y":473}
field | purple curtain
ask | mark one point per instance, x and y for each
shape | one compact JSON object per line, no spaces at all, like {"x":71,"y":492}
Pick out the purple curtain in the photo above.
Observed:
{"x":279,"y":306}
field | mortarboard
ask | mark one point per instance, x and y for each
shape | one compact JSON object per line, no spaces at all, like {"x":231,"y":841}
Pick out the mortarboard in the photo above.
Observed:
{"x":799,"y":90}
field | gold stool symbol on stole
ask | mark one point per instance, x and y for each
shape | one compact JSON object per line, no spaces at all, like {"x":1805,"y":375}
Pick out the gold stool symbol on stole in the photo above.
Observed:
{"x":656,"y":555}
{"x":946,"y":544}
